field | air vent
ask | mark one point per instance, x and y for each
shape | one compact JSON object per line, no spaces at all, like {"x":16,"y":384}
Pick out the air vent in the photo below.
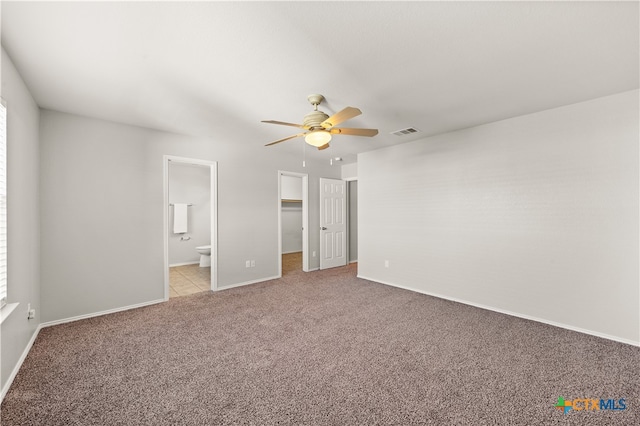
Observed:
{"x":407,"y":131}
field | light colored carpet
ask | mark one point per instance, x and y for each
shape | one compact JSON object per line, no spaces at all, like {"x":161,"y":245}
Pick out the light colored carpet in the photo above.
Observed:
{"x":322,"y":348}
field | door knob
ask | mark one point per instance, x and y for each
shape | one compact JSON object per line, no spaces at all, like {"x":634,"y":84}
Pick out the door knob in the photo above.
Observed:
{"x":323,"y":228}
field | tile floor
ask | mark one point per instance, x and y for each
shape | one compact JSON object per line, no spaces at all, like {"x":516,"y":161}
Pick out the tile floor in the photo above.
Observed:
{"x":188,"y":279}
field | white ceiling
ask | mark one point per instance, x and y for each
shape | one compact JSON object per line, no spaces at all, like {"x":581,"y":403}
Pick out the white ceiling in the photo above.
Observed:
{"x":216,"y":69}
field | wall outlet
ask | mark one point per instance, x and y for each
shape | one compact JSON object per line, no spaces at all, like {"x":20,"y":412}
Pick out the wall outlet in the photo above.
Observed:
{"x":314,"y":254}
{"x":386,"y":263}
{"x":31,"y":313}
{"x":247,"y":264}
{"x":253,"y":263}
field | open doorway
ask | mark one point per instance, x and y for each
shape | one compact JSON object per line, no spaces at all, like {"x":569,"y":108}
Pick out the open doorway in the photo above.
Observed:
{"x":190,"y":226}
{"x":352,"y":221}
{"x":293,"y":219}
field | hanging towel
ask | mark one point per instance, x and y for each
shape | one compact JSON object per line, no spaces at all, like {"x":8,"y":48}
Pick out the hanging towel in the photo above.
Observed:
{"x":179,"y":218}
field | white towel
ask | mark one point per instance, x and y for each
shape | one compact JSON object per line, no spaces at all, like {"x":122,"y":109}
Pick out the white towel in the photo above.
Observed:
{"x":179,"y":218}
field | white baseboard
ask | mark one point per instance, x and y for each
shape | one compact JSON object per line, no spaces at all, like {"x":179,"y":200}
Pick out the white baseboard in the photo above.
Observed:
{"x":98,"y":314}
{"x":227,"y":287}
{"x":353,"y":261}
{"x":15,"y":370}
{"x":291,"y":252}
{"x":513,"y":314}
{"x":184,"y":264}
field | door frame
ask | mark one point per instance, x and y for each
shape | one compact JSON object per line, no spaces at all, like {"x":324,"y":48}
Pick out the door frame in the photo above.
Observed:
{"x":305,"y":219}
{"x":213,"y":174}
{"x":348,"y":190}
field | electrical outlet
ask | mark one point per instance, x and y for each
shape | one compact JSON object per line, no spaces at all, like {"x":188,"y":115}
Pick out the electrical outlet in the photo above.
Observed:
{"x":386,"y":263}
{"x":314,"y":254}
{"x":253,"y":263}
{"x":247,"y":264}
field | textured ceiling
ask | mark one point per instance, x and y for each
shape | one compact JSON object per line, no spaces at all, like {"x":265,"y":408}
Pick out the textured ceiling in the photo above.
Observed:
{"x":216,"y":69}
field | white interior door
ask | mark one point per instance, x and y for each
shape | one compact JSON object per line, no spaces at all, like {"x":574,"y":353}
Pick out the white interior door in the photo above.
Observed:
{"x":333,"y":223}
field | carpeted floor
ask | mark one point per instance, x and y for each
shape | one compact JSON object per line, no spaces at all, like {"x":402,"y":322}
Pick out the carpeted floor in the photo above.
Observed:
{"x":322,"y":348}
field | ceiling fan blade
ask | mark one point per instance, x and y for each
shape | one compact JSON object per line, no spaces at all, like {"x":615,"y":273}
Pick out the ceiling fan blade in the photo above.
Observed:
{"x":285,"y":139}
{"x":283,"y":123}
{"x":339,"y":117}
{"x":354,"y":132}
{"x":325,"y":146}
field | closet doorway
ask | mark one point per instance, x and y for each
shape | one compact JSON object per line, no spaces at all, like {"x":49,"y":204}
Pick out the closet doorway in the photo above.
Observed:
{"x":190,"y":226}
{"x":293,"y":222}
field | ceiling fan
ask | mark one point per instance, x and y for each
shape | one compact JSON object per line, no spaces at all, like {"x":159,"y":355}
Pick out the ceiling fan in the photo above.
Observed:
{"x":319,"y":126}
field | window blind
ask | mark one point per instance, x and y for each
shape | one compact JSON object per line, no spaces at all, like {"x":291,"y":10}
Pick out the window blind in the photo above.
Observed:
{"x":3,"y":204}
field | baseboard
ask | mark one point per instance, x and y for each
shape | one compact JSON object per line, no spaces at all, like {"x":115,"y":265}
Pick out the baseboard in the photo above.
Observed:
{"x":227,"y":287}
{"x":98,"y":314}
{"x":513,"y":314}
{"x":353,"y":261}
{"x":18,"y":365}
{"x":291,"y":252}
{"x":197,"y":262}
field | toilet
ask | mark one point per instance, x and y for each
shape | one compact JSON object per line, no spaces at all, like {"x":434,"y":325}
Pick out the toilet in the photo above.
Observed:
{"x":205,"y":255}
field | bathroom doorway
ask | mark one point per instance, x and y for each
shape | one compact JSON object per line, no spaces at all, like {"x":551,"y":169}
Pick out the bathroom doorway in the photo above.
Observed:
{"x":190,"y":218}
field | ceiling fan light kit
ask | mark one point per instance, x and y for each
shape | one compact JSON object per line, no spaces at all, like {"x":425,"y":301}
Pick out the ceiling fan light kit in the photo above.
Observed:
{"x":318,"y":138}
{"x":319,"y":126}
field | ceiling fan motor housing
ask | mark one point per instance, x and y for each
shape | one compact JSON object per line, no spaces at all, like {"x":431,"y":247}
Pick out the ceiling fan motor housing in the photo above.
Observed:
{"x":314,"y":119}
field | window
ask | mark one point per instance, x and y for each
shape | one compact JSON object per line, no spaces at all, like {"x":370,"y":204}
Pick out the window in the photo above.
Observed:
{"x":3,"y":204}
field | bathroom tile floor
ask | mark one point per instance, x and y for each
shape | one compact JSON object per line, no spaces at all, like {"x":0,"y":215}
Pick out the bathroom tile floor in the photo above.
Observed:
{"x":188,"y":279}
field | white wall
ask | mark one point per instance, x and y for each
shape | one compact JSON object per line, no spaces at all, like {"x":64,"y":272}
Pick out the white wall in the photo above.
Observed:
{"x":291,"y":187}
{"x":291,"y":227}
{"x":23,"y":222}
{"x":190,"y":184}
{"x":349,"y":171}
{"x":291,"y":215}
{"x":102,"y":211}
{"x":535,"y":215}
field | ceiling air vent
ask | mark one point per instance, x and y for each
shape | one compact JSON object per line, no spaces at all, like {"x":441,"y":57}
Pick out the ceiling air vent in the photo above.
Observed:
{"x":407,"y":131}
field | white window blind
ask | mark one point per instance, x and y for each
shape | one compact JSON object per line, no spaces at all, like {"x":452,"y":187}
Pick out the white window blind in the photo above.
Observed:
{"x":3,"y":204}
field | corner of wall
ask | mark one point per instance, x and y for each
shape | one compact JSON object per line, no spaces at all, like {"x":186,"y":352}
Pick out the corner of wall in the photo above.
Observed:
{"x":23,"y":188}
{"x":349,"y":171}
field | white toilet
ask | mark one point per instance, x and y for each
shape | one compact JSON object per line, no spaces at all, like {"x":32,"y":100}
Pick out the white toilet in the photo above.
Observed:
{"x":205,"y":255}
